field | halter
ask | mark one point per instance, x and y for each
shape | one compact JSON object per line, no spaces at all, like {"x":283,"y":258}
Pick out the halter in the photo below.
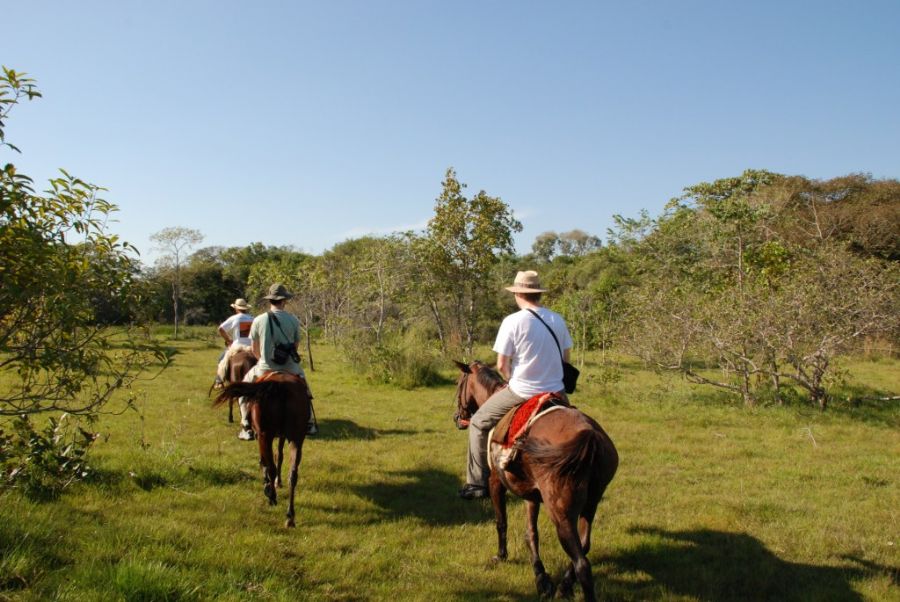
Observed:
{"x":462,"y":406}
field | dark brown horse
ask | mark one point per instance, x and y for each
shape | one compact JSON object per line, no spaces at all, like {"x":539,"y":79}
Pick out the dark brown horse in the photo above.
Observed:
{"x":566,"y":462}
{"x":279,"y":407}
{"x":239,"y":365}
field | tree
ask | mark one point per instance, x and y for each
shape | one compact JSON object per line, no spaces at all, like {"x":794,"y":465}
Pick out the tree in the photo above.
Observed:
{"x":174,"y":244}
{"x":745,"y":276}
{"x":577,"y":243}
{"x":56,"y":259}
{"x":545,"y":246}
{"x":463,"y":242}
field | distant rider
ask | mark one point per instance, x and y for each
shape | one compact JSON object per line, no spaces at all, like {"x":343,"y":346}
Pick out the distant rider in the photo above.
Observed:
{"x":236,"y":333}
{"x":275,"y":326}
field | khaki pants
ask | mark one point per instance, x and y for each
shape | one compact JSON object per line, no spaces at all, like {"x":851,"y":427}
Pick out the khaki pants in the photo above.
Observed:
{"x":487,"y":416}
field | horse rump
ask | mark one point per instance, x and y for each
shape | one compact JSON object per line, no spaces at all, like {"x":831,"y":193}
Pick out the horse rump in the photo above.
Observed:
{"x":569,"y":459}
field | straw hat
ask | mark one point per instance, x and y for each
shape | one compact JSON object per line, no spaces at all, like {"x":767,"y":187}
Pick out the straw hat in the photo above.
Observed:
{"x":240,"y":304}
{"x":526,"y":282}
{"x":277,"y":292}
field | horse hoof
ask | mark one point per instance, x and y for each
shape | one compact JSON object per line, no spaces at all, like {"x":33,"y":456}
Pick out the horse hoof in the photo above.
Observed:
{"x":566,"y":590}
{"x":545,"y":586}
{"x":289,"y":523}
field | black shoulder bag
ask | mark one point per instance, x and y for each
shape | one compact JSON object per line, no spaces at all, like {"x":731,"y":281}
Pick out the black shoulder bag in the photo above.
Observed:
{"x":570,"y":372}
{"x":281,"y":351}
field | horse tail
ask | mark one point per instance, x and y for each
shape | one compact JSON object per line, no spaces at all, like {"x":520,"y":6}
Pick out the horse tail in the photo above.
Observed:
{"x":261,"y":392}
{"x":571,"y":459}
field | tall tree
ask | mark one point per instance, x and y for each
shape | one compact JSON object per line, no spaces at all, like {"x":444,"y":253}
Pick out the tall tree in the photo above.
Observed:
{"x":174,"y":243}
{"x":463,"y":242}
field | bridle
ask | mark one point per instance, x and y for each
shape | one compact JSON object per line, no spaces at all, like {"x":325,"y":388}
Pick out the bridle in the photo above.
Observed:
{"x":463,"y":414}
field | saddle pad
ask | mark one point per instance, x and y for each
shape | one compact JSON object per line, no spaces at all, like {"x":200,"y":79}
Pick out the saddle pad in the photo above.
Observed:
{"x":513,"y":424}
{"x":271,"y":373}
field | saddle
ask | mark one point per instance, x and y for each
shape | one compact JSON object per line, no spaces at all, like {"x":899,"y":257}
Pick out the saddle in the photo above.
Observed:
{"x":513,"y":427}
{"x":268,"y":375}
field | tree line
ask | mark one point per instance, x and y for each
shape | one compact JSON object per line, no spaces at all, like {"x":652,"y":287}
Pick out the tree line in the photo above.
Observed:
{"x":753,"y":284}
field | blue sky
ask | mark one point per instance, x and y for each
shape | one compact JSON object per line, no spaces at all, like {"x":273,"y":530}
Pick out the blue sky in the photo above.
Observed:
{"x":310,"y":123}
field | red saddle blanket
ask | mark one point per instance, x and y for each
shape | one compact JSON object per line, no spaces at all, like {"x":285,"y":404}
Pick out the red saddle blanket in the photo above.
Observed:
{"x":517,"y":419}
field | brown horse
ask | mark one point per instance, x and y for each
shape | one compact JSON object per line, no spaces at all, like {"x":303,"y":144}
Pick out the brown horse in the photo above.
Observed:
{"x":239,"y":365}
{"x":279,"y":406}
{"x":566,"y":461}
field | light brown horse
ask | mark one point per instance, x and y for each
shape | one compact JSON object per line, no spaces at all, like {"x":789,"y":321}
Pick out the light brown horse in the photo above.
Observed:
{"x":279,"y":407}
{"x":566,"y":462}
{"x":239,"y":365}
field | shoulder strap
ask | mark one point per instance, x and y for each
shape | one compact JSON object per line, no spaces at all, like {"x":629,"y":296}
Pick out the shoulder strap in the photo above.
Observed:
{"x":553,"y":334}
{"x":272,"y":318}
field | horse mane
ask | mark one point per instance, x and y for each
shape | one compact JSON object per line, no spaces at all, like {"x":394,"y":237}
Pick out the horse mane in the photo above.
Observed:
{"x":488,"y":377}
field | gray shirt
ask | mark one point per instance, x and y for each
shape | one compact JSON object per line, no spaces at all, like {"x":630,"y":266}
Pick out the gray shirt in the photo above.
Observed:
{"x":268,"y":334}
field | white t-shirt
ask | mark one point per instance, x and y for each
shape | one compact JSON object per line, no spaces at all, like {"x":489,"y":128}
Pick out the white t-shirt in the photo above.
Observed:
{"x":536,"y":364}
{"x":238,"y":328}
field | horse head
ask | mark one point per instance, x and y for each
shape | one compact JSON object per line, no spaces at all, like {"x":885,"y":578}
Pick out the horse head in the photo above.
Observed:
{"x":476,"y":383}
{"x":465,"y":398}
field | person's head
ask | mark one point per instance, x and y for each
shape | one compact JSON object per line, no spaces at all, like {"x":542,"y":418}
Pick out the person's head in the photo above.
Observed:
{"x":278,"y":294}
{"x":527,"y":288}
{"x":241,"y":306}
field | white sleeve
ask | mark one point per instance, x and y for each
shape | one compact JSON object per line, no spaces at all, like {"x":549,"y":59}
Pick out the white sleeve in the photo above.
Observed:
{"x":566,"y":341}
{"x":228,"y":325}
{"x":504,"y":345}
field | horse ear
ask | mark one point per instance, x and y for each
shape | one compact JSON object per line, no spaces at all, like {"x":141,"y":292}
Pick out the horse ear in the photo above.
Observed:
{"x":463,"y":367}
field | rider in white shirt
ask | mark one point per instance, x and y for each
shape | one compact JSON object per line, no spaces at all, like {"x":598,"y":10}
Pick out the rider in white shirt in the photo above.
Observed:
{"x":528,"y":357}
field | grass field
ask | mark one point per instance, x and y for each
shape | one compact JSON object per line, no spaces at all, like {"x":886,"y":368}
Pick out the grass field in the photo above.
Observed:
{"x":712,"y":501}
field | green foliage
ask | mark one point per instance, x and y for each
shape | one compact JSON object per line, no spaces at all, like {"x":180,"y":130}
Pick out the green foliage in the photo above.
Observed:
{"x":740,"y":275}
{"x":703,"y":481}
{"x":43,"y":463}
{"x":463,"y":243}
{"x":406,"y":361}
{"x":57,"y":262}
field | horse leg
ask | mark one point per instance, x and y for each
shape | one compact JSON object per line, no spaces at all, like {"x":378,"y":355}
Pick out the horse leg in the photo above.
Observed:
{"x":231,"y":409}
{"x":268,"y":466}
{"x":567,"y":531}
{"x":498,"y":497}
{"x":296,"y":454}
{"x":279,"y":462}
{"x":584,"y":534}
{"x":542,"y":580}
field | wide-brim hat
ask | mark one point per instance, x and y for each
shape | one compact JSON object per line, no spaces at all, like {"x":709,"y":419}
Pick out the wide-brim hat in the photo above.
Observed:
{"x":526,"y":282}
{"x":240,"y":304}
{"x":278,"y":292}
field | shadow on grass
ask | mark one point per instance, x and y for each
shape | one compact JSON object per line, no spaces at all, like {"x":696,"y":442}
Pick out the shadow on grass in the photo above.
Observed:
{"x":426,"y":494}
{"x":25,"y":554}
{"x":716,"y":565}
{"x":866,"y":404}
{"x":339,"y":429}
{"x":219,"y":476}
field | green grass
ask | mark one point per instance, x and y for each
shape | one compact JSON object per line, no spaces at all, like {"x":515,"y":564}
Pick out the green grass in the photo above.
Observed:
{"x":712,"y":501}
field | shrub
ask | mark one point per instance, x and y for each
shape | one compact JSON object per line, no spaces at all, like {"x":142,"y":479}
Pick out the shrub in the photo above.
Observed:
{"x":43,"y":463}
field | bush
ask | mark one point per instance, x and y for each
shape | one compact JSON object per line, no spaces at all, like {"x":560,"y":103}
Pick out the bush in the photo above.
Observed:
{"x":401,"y":360}
{"x":43,"y":463}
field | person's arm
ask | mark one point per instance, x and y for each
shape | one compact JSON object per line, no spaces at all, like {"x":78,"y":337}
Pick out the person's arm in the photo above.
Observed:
{"x":566,"y":355}
{"x":504,"y":364}
{"x":225,"y":336}
{"x":255,"y":347}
